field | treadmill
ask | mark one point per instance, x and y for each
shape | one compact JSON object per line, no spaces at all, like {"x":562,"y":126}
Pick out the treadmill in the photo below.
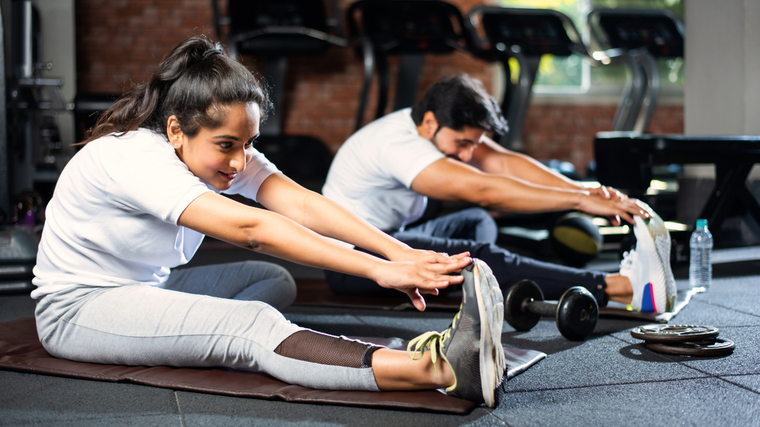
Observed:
{"x":636,"y":38}
{"x":525,"y":35}
{"x":409,"y":29}
{"x":277,"y":30}
{"x":500,"y":34}
{"x":18,"y":243}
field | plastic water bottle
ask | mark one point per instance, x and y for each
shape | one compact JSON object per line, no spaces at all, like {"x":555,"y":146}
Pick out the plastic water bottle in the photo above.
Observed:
{"x":700,"y":266}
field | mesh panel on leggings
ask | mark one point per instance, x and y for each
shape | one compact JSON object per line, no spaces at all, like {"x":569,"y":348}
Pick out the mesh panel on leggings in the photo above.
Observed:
{"x":324,"y":349}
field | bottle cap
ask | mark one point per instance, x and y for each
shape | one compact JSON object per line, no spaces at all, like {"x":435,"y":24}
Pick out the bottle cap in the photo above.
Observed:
{"x":701,"y":223}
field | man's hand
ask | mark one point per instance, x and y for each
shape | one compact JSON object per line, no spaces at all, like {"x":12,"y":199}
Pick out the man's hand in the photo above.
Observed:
{"x":607,"y":192}
{"x":608,"y":202}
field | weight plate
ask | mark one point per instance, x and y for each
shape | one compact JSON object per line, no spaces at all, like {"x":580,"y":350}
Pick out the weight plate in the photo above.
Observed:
{"x":709,"y":348}
{"x":674,"y":333}
{"x":577,"y":313}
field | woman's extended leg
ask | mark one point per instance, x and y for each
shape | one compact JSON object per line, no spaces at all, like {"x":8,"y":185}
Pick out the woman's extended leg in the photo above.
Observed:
{"x":144,"y":325}
{"x":161,"y":327}
{"x":392,"y":369}
{"x":395,"y":370}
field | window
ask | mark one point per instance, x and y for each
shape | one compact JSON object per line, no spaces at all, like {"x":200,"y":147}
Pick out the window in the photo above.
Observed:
{"x":573,"y":74}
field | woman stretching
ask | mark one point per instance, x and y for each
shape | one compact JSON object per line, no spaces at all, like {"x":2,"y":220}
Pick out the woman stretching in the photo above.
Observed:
{"x":137,"y":201}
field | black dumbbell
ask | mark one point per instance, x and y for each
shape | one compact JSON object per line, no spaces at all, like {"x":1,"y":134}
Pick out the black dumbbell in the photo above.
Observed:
{"x":576,"y":311}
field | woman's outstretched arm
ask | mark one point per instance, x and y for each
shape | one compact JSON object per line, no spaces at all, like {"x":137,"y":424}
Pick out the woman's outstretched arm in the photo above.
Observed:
{"x":274,"y":234}
{"x":324,"y":216}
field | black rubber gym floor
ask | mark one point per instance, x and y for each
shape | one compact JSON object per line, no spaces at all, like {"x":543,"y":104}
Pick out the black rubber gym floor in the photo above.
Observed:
{"x":610,"y":379}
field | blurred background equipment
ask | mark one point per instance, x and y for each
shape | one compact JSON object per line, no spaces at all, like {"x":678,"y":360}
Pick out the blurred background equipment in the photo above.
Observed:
{"x":575,"y":239}
{"x":275,"y":31}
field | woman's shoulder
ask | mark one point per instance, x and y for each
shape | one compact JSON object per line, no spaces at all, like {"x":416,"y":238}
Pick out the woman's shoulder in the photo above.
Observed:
{"x":140,"y":138}
{"x":140,"y":145}
{"x":133,"y":151}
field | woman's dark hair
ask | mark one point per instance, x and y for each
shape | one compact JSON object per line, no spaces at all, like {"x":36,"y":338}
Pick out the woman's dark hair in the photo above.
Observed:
{"x":460,"y":100}
{"x":195,"y":83}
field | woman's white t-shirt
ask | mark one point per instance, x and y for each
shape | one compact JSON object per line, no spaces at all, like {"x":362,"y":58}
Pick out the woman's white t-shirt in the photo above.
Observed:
{"x":113,"y":217}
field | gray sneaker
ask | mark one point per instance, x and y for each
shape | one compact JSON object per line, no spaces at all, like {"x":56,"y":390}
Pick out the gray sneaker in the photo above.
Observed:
{"x":472,"y":344}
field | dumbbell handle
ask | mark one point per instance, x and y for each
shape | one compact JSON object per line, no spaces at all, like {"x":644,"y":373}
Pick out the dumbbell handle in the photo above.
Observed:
{"x":543,"y":308}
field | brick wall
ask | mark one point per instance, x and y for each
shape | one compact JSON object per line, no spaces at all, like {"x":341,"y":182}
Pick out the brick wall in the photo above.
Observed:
{"x":120,"y":41}
{"x":566,"y":132}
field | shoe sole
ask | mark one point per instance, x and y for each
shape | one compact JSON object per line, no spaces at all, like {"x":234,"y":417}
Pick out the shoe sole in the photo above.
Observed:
{"x":662,"y":245}
{"x":658,"y":291}
{"x":491,"y":309}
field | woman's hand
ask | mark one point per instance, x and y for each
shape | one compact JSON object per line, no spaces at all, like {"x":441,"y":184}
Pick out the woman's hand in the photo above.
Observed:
{"x":407,"y":254}
{"x":427,"y":274}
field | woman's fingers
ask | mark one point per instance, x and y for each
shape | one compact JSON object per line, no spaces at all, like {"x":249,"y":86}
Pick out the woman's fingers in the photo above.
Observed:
{"x":417,"y":300}
{"x":444,"y":258}
{"x":425,"y":277}
{"x":454,"y":266}
{"x":426,"y":274}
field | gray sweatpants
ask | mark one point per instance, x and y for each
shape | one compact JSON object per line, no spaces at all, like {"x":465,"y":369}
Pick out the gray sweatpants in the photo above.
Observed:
{"x":179,"y":324}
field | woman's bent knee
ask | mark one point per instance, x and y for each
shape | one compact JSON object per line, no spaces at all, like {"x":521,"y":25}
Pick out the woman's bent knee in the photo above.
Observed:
{"x":274,"y":285}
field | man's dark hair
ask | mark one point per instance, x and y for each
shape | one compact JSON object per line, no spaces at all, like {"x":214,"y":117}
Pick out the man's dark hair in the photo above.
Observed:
{"x":460,"y":100}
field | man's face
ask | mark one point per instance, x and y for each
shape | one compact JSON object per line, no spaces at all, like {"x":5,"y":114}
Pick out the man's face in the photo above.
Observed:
{"x":458,"y":144}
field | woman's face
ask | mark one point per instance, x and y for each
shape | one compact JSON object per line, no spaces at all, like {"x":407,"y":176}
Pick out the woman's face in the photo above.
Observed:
{"x":216,"y":156}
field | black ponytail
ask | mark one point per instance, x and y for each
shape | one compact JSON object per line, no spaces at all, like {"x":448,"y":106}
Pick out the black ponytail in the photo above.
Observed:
{"x":195,"y":83}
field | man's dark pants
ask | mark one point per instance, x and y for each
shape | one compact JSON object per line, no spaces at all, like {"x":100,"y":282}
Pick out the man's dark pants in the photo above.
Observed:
{"x":474,"y":230}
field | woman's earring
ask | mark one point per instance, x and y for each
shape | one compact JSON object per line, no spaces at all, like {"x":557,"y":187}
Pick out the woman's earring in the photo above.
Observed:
{"x":176,"y":145}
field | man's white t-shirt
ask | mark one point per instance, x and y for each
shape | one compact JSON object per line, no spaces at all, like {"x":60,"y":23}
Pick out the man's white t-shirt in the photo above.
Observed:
{"x":372,"y":172}
{"x":113,"y":217}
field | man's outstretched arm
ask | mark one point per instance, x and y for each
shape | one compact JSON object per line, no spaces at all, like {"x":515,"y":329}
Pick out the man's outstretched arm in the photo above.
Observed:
{"x":492,"y":158}
{"x":449,"y":179}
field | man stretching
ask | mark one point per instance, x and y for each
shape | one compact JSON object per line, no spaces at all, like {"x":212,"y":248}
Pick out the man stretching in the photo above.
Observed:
{"x":386,"y":171}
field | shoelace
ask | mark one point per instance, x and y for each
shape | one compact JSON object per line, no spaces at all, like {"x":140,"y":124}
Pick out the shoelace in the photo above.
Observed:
{"x":628,"y":260}
{"x":433,"y":341}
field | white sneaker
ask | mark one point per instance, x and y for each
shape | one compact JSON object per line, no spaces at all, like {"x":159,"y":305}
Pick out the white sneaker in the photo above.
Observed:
{"x":661,"y":238}
{"x":648,"y":268}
